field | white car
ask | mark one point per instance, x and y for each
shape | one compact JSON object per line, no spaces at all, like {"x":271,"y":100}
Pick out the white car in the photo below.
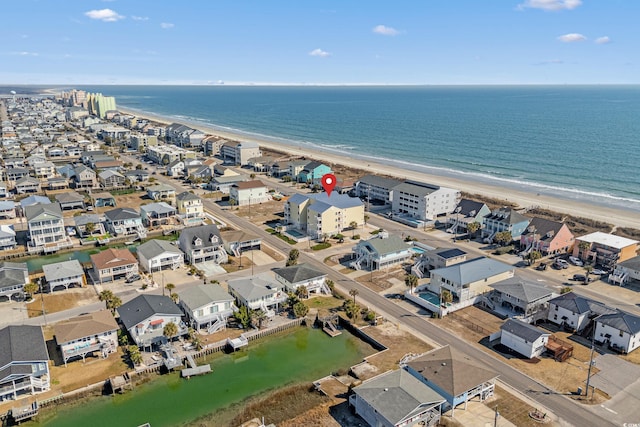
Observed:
{"x":575,"y":261}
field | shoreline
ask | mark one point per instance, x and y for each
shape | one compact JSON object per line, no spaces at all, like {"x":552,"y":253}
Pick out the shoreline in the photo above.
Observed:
{"x":619,"y":217}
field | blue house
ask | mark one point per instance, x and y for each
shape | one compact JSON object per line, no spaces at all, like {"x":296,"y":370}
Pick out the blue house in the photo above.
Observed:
{"x":313,"y":172}
{"x":453,"y":375}
{"x":504,"y":219}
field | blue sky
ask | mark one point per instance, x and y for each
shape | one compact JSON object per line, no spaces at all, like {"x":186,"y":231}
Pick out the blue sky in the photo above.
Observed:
{"x":320,"y":42}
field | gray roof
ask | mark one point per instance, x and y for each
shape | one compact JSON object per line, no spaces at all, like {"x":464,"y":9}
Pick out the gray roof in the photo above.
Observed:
{"x":468,"y":206}
{"x":452,"y":371}
{"x":418,"y":189}
{"x":254,"y":287}
{"x":507,"y":216}
{"x":379,"y":181}
{"x":473,"y":270}
{"x":448,"y":253}
{"x":6,"y":205}
{"x":62,"y":270}
{"x":523,"y":330}
{"x":10,"y":277}
{"x":340,"y":201}
{"x":298,"y":198}
{"x":203,"y":232}
{"x":186,"y":195}
{"x":120,"y":214}
{"x":21,"y":343}
{"x":153,"y":248}
{"x":27,"y":180}
{"x":396,"y":395}
{"x":86,"y":219}
{"x":631,"y":263}
{"x":144,"y":306}
{"x":621,"y":321}
{"x":43,"y":211}
{"x":34,"y":200}
{"x":160,"y":188}
{"x":524,"y":291}
{"x":201,"y":295}
{"x":298,"y":273}
{"x":160,"y":208}
{"x":106,"y":174}
{"x":69,"y":197}
{"x":577,"y":304}
{"x":545,"y":228}
{"x":386,"y":245}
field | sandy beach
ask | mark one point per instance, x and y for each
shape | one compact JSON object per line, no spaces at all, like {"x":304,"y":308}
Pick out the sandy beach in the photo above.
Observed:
{"x":617,"y":217}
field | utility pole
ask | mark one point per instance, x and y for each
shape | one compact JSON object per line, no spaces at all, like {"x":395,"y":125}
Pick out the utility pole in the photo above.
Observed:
{"x":495,"y":420}
{"x":593,"y":337}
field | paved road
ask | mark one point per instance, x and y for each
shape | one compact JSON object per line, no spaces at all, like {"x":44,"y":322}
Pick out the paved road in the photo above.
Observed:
{"x":561,"y":405}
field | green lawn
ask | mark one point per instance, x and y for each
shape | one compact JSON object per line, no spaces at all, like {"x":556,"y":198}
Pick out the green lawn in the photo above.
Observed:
{"x":321,"y":246}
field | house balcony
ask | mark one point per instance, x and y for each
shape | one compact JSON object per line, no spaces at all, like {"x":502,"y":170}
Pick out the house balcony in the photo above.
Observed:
{"x":208,"y":318}
{"x":155,"y":336}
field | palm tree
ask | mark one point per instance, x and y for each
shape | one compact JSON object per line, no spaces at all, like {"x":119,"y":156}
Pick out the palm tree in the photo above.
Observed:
{"x":293,"y":257}
{"x":353,"y":225}
{"x":411,"y":280}
{"x":366,"y":218}
{"x":112,"y":301}
{"x":302,"y":292}
{"x":174,"y":297}
{"x":503,"y":237}
{"x":354,"y":292}
{"x":89,"y":227}
{"x":300,"y":310}
{"x":534,"y":256}
{"x":134,"y":354}
{"x":170,"y":330}
{"x":31,"y":288}
{"x":258,"y":316}
{"x":446,"y":296}
{"x":232,"y":202}
{"x":242,"y":316}
{"x":170,"y":287}
{"x":584,"y":247}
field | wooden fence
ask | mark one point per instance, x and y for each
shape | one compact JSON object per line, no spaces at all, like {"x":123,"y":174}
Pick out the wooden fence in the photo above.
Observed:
{"x":469,"y":324}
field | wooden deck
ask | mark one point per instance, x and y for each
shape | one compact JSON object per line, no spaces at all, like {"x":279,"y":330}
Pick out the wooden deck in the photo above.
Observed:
{"x":23,"y":413}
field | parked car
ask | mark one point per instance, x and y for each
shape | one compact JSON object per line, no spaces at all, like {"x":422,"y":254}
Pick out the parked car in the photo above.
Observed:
{"x":560,"y":264}
{"x":541,"y":267}
{"x":598,"y":272}
{"x":576,"y":261}
{"x":579,"y":277}
{"x":133,"y":278}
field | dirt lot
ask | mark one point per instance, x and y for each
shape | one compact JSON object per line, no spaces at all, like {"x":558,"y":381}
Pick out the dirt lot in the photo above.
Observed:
{"x":474,"y":325}
{"x":236,"y":263}
{"x":61,"y":300}
{"x":513,"y":409}
{"x":263,"y":212}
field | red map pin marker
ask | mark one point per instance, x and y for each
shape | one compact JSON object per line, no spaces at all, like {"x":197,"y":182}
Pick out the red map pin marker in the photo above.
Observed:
{"x":328,"y":183}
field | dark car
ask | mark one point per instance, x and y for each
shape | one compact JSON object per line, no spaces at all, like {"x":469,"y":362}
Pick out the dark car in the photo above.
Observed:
{"x":581,"y":278}
{"x":541,"y":267}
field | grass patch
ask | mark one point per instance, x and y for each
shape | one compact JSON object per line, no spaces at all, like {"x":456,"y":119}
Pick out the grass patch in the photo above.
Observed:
{"x":323,"y":303}
{"x":123,"y":192}
{"x":281,"y":236}
{"x":503,"y":250}
{"x":321,"y":246}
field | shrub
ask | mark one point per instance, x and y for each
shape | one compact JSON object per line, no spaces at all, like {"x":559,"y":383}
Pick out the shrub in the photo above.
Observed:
{"x":355,"y":237}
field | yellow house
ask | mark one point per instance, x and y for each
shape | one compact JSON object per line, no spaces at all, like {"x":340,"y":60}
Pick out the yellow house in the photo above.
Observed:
{"x":190,"y":208}
{"x":319,"y":214}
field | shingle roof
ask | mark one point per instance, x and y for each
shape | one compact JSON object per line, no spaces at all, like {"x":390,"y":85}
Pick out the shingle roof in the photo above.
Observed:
{"x":22,"y":343}
{"x":577,"y":304}
{"x":153,"y":248}
{"x":186,"y":195}
{"x":86,"y":219}
{"x":473,"y":270}
{"x":631,"y":263}
{"x":159,"y":207}
{"x":144,"y":306}
{"x":69,"y":197}
{"x":507,"y":216}
{"x":384,"y":246}
{"x":86,"y":325}
{"x":43,"y":211}
{"x":468,"y":206}
{"x":397,"y":395}
{"x":452,"y":371}
{"x":62,"y":270}
{"x":34,"y":200}
{"x":524,"y":291}
{"x":111,"y":257}
{"x":543,"y":227}
{"x":120,"y":214}
{"x":231,"y":236}
{"x":621,"y":321}
{"x":254,"y":287}
{"x":298,"y":273}
{"x":201,"y":295}
{"x":203,"y":232}
{"x":523,"y":330}
{"x":340,"y":201}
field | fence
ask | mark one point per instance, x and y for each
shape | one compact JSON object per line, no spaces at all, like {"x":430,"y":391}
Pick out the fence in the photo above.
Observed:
{"x":469,"y":324}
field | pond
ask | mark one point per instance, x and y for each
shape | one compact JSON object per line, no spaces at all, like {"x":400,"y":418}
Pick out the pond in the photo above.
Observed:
{"x":299,"y":355}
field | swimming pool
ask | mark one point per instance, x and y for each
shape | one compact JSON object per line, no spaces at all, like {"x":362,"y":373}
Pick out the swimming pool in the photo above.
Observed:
{"x":295,"y":233}
{"x":431,"y":297}
{"x":417,"y":250}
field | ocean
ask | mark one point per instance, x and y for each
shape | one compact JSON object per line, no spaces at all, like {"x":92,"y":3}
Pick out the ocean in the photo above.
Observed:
{"x":576,"y":142}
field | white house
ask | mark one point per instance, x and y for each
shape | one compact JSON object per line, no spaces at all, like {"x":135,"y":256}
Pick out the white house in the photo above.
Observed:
{"x":620,"y":330}
{"x":249,"y":192}
{"x":381,"y":252}
{"x":575,"y":312}
{"x":626,"y":271}
{"x":259,"y":292}
{"x":202,"y":243}
{"x":423,"y":201}
{"x":376,"y":188}
{"x":157,"y":255}
{"x":302,"y":275}
{"x":7,"y":237}
{"x":523,"y":338}
{"x":145,"y":317}
{"x":86,"y":334}
{"x":207,"y":306}
{"x":64,"y":274}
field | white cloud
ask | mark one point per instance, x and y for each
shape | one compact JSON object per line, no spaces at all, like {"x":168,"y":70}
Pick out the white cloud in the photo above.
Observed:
{"x":140,"y":18}
{"x":603,"y":40}
{"x":385,"y":31}
{"x":319,"y":52}
{"x":550,"y":4}
{"x":572,"y":38}
{"x":106,"y":15}
{"x":25,"y":53}
{"x":166,"y":25}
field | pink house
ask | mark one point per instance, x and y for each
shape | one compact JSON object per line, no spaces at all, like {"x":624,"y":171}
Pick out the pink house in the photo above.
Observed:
{"x":548,"y":237}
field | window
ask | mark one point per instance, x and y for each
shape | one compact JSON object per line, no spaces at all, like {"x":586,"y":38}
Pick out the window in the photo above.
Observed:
{"x":621,"y":333}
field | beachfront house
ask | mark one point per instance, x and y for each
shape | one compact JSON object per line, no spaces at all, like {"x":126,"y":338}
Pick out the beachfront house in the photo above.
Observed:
{"x":157,"y":214}
{"x":158,"y":255}
{"x":380,"y":252}
{"x":238,"y":241}
{"x":46,"y":228}
{"x":202,"y":244}
{"x":24,"y":361}
{"x":374,"y":188}
{"x":619,"y":330}
{"x":125,"y":221}
{"x":7,"y":237}
{"x":113,"y":264}
{"x":468,"y":280}
{"x":423,"y":201}
{"x":574,"y":312}
{"x":312,"y":173}
{"x":145,"y":317}
{"x":318,"y":214}
{"x":13,"y":277}
{"x":523,"y":338}
{"x":546,"y":236}
{"x":249,"y":192}
{"x":239,"y":153}
{"x":259,"y":292}
{"x":206,"y":307}
{"x":626,"y":271}
{"x":467,"y":212}
{"x":86,"y":334}
{"x":64,"y":274}
{"x":190,"y":208}
{"x":302,"y":275}
{"x":453,"y":375}
{"x":57,"y":183}
{"x":504,"y":219}
{"x":604,"y":249}
{"x":396,"y":399}
{"x":84,"y":177}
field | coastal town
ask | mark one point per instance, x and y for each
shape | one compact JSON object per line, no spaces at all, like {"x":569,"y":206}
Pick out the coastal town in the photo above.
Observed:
{"x":133,"y":248}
